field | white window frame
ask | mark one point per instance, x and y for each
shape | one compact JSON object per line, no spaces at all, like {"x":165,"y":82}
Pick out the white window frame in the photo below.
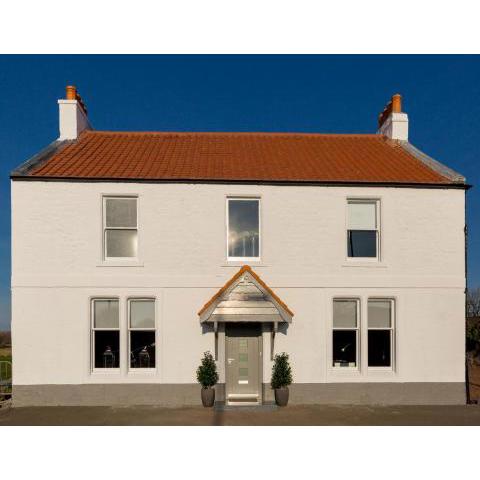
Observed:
{"x":357,"y":334}
{"x":94,"y":329}
{"x":245,"y":259}
{"x":377,"y":202}
{"x":392,"y":333}
{"x":105,"y":228}
{"x":130,"y":329}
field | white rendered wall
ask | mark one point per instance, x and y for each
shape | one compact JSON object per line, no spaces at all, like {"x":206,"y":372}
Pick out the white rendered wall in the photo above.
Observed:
{"x":57,"y":267}
{"x":72,"y":119}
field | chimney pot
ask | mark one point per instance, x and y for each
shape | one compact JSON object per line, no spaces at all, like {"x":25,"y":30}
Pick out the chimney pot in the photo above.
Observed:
{"x":392,"y":122}
{"x":397,"y":103}
{"x":71,"y":92}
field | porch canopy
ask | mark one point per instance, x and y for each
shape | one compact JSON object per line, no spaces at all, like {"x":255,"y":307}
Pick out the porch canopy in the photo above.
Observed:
{"x":245,"y":298}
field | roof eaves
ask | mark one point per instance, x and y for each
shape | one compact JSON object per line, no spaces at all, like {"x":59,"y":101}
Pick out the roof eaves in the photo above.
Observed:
{"x":246,"y":181}
{"x":433,"y":164}
{"x":39,"y":158}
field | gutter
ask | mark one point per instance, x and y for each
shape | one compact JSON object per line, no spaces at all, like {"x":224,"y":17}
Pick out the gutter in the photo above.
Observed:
{"x":19,"y":176}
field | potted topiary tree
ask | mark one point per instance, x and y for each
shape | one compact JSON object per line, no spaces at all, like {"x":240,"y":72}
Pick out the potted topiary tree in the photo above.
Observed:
{"x":207,"y":377}
{"x":281,"y":378}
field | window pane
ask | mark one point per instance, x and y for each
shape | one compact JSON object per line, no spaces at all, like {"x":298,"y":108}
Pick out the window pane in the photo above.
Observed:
{"x":142,"y":349}
{"x":379,"y":348}
{"x":121,"y":243}
{"x":344,"y":348}
{"x":121,"y":212}
{"x":142,"y":314}
{"x":362,"y":216}
{"x":107,"y":349}
{"x":105,"y":313}
{"x":344,"y":314}
{"x":362,"y":243}
{"x":243,"y":230}
{"x":379,"y":313}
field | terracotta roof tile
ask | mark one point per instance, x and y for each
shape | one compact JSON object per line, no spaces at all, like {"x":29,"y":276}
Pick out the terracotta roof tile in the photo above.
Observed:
{"x":269,"y":157}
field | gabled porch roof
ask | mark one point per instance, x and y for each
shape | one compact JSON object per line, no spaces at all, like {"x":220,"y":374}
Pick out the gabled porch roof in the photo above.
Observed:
{"x":245,"y":298}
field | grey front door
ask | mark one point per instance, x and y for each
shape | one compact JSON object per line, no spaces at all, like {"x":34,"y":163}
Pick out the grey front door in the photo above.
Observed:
{"x":243,"y":364}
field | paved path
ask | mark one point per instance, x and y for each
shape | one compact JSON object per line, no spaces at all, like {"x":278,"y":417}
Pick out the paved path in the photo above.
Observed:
{"x":291,"y":415}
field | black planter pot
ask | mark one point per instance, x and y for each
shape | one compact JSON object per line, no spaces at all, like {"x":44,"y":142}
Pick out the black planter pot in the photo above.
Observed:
{"x":281,"y":396}
{"x":208,"y":396}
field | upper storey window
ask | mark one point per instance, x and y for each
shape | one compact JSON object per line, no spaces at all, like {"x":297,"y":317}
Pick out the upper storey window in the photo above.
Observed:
{"x":363,"y":229}
{"x":243,"y":228}
{"x":120,"y":229}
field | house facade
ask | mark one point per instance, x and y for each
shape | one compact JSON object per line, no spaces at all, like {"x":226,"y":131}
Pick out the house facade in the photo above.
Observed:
{"x":135,"y":252}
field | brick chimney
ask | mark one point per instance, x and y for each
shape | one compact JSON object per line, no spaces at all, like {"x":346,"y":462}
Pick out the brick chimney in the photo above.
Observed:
{"x":73,"y":115}
{"x":392,"y":122}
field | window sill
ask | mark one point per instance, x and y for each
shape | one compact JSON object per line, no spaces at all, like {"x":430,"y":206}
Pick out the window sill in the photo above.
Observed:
{"x":246,"y":261}
{"x":363,"y":263}
{"x":142,"y":371}
{"x":380,"y":370}
{"x":123,"y":263}
{"x":105,"y":371}
{"x":344,"y":370}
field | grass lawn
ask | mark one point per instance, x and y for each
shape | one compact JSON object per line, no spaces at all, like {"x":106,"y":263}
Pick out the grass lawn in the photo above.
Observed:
{"x":6,"y":354}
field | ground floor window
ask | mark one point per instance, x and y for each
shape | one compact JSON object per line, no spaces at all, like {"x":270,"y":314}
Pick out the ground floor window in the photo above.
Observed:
{"x":380,"y":332}
{"x":105,"y":333}
{"x":345,"y":332}
{"x":141,"y":325}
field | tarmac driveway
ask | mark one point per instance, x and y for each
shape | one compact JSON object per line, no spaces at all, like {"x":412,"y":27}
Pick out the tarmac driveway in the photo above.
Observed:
{"x":291,"y":415}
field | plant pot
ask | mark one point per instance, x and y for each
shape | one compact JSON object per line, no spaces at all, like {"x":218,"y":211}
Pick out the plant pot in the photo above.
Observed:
{"x":208,"y":396}
{"x":281,"y":396}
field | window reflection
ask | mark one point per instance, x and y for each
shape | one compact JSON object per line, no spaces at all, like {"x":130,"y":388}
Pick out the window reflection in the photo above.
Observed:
{"x":243,"y":228}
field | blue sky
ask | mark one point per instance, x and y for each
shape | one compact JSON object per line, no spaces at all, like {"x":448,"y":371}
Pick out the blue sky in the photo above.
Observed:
{"x":329,"y":94}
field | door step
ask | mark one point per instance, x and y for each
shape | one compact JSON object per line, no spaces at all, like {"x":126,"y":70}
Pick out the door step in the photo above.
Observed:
{"x":243,"y":407}
{"x":247,"y":399}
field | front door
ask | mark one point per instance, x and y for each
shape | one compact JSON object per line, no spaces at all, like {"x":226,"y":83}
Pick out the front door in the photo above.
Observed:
{"x":243,"y":365}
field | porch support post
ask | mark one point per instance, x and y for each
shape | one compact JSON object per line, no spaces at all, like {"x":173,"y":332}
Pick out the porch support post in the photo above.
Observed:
{"x":272,"y":340}
{"x":215,"y":329}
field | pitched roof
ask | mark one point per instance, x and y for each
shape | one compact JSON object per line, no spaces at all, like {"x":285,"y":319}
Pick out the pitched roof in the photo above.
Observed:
{"x":237,"y":276}
{"x":236,"y":157}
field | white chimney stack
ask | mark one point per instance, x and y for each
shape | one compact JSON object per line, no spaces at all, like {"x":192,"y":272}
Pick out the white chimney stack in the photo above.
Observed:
{"x":73,"y":115}
{"x":392,"y":122}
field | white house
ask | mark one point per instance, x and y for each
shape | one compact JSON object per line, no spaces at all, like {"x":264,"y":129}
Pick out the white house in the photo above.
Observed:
{"x":135,"y":252}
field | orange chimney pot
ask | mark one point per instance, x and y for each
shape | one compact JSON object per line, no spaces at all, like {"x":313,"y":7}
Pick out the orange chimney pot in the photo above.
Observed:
{"x":71,"y":92}
{"x":397,"y":103}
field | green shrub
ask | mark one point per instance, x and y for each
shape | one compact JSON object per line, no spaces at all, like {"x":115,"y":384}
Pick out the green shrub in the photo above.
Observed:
{"x":281,"y":371}
{"x":207,"y":375}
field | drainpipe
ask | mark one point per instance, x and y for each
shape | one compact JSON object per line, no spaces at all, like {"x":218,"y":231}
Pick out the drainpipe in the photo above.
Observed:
{"x":467,"y":381}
